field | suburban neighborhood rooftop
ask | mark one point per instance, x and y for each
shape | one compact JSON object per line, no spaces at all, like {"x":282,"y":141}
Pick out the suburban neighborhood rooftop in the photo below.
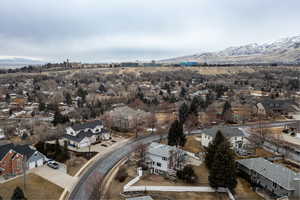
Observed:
{"x":277,"y":173}
{"x":226,"y":131}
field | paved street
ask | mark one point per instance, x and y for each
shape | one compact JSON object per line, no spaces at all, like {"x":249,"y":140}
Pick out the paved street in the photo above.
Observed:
{"x":83,"y":188}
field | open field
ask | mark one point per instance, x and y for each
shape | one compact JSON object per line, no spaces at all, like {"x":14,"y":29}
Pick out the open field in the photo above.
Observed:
{"x":139,"y":70}
{"x":34,"y":186}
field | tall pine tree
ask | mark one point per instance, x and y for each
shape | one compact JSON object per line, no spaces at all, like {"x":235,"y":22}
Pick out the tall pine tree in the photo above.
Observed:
{"x":176,"y":136}
{"x":183,"y":112}
{"x":212,"y":147}
{"x":223,"y":171}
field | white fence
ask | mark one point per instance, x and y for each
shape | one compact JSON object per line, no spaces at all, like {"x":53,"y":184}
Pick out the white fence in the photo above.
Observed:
{"x":129,"y":188}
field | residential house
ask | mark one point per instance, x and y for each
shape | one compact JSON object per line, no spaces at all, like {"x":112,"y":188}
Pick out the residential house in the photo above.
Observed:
{"x":83,"y":135}
{"x":14,"y":158}
{"x":275,"y":178}
{"x":164,"y":159}
{"x":235,"y":136}
{"x":293,"y":128}
{"x":126,"y":118}
{"x":2,"y":135}
{"x":277,"y":106}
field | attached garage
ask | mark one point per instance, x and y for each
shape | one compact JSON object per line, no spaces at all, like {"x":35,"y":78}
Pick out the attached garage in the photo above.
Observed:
{"x":84,"y":143}
{"x":36,"y":160}
{"x":31,"y":165}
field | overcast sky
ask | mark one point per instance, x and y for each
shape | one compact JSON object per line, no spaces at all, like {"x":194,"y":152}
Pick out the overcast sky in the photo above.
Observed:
{"x":119,"y":30}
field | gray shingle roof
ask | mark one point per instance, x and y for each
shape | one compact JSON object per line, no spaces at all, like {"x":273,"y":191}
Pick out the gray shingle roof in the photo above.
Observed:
{"x":276,"y":173}
{"x":226,"y":131}
{"x":161,"y":149}
{"x":4,"y":149}
{"x":82,"y":134}
{"x":24,"y":150}
{"x":287,"y":105}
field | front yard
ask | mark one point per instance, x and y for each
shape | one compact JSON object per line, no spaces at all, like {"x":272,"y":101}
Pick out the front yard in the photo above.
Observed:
{"x":37,"y":188}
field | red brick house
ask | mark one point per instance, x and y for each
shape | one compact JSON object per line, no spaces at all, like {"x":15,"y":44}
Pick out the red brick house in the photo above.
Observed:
{"x":12,"y":159}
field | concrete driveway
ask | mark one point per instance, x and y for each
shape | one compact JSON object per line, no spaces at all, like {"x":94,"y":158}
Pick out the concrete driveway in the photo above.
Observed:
{"x":56,"y":176}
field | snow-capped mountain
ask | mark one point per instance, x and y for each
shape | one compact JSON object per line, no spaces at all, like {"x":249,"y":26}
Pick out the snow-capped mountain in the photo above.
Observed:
{"x":286,"y":50}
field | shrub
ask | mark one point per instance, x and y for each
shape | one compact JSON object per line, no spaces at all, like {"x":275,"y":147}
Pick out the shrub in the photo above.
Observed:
{"x":187,"y":174}
{"x":121,"y":175}
{"x":18,"y":194}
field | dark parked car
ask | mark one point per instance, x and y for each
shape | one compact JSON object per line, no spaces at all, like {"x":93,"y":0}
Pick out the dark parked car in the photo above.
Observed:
{"x":53,"y":164}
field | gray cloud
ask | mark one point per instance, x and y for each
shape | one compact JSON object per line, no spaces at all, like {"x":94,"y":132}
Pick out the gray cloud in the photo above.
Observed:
{"x":93,"y":30}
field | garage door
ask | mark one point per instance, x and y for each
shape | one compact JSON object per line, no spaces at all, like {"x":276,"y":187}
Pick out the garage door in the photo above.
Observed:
{"x":39,"y":162}
{"x":84,"y":144}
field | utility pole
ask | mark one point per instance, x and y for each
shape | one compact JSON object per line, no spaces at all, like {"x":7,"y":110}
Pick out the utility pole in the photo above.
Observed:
{"x":24,"y":168}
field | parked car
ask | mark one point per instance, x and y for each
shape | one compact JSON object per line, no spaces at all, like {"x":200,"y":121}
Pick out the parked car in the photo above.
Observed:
{"x":53,"y":164}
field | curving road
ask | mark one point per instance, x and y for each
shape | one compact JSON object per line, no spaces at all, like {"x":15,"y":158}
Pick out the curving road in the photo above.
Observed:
{"x":84,"y":187}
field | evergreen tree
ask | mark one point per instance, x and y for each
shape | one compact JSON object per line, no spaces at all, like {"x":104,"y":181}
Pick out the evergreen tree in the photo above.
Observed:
{"x":68,"y":98}
{"x":183,"y":112}
{"x":7,"y":98}
{"x":187,"y":174}
{"x":183,"y":92}
{"x":42,"y":106}
{"x":82,"y":93}
{"x":176,"y":136}
{"x":59,"y":118}
{"x":227,"y":113}
{"x":212,"y":147}
{"x":194,"y":106}
{"x":223,"y":170}
{"x":18,"y":194}
{"x":226,"y":107}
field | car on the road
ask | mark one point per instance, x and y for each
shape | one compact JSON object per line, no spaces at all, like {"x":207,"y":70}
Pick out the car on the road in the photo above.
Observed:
{"x":53,"y":164}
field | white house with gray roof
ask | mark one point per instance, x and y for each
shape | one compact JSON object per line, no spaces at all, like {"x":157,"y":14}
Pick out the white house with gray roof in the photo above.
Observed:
{"x":275,"y":178}
{"x":83,"y":135}
{"x":235,"y":136}
{"x":164,"y":159}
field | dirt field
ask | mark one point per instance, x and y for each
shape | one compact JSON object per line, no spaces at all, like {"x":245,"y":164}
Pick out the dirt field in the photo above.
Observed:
{"x":189,"y":195}
{"x":75,"y":164}
{"x":201,"y":70}
{"x":34,"y":186}
{"x":115,"y":188}
{"x":193,"y":145}
{"x":243,"y":191}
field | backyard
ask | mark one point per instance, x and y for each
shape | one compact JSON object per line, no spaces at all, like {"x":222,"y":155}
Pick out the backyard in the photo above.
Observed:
{"x":34,"y":185}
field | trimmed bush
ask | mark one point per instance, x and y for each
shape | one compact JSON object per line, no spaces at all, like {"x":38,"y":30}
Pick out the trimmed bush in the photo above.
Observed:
{"x":121,"y":175}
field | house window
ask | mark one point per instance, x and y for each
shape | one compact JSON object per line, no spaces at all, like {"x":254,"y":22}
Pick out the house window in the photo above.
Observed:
{"x":153,"y":163}
{"x":164,"y":158}
{"x":158,"y":164}
{"x":274,"y":185}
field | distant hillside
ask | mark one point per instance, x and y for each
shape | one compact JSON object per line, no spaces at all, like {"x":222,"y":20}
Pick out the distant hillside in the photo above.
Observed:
{"x":18,"y":62}
{"x":286,"y":50}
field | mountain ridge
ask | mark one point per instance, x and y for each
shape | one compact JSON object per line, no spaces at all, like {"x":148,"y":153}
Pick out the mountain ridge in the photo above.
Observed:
{"x":284,"y":50}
